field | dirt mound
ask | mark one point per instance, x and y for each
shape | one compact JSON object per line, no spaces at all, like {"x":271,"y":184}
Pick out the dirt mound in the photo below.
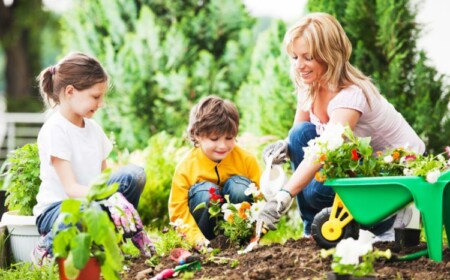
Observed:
{"x":299,"y":259}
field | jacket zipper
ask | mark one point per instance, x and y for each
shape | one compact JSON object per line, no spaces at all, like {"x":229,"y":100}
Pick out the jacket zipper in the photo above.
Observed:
{"x":218,"y":176}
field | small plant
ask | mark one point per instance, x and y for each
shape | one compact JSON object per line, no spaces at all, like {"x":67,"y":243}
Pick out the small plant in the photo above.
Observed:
{"x":88,"y":232}
{"x":348,"y":252}
{"x":342,"y":155}
{"x":236,"y":221}
{"x":171,"y":238}
{"x":22,"y":179}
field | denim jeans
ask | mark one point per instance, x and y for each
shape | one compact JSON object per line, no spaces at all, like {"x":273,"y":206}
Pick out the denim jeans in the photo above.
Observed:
{"x":131,"y":179}
{"x":315,"y":196}
{"x":235,"y":187}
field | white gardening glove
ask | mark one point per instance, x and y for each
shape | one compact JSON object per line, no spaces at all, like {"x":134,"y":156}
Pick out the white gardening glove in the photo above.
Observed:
{"x":278,"y":151}
{"x":273,"y":210}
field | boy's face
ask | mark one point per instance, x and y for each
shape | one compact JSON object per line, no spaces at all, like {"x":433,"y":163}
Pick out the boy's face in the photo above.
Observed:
{"x":216,"y":147}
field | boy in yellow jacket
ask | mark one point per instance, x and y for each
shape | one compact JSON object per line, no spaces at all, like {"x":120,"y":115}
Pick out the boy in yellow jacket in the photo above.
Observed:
{"x":214,"y":166}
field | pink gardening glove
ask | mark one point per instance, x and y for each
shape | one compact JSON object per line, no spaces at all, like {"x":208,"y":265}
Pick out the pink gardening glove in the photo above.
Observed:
{"x":124,"y":215}
{"x":143,"y":243}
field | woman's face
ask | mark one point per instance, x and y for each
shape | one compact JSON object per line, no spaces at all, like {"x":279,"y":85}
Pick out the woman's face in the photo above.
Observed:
{"x":309,"y":68}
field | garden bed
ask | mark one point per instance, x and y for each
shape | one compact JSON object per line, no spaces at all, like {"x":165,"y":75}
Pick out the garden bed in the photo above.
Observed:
{"x":300,"y":259}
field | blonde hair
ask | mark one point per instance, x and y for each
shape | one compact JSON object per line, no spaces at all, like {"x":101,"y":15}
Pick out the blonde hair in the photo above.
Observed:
{"x":328,"y":44}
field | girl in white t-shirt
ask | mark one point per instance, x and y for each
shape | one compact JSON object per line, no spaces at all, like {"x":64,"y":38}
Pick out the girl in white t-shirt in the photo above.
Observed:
{"x":330,"y":90}
{"x":73,"y":149}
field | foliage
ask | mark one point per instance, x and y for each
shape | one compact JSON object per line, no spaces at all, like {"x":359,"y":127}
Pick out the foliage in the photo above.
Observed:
{"x":161,"y":156}
{"x":22,"y":179}
{"x":235,"y":220}
{"x":26,"y":270}
{"x":88,"y":231}
{"x":342,"y":155}
{"x":162,"y":56}
{"x":171,"y":238}
{"x":384,"y":35}
{"x":266,"y":99}
{"x":289,"y":227}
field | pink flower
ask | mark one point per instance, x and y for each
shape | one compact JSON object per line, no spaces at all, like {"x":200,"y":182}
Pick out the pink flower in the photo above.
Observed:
{"x":447,"y":150}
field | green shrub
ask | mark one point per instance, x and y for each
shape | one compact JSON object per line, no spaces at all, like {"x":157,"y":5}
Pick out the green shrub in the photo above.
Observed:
{"x":161,"y":155}
{"x":22,"y":179}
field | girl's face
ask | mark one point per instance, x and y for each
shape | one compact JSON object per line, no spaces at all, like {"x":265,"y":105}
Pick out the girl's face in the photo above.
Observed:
{"x":215,"y":147}
{"x":84,"y":103}
{"x":309,"y":68}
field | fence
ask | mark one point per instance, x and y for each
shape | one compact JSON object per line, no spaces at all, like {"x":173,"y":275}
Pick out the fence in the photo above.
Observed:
{"x":21,"y":128}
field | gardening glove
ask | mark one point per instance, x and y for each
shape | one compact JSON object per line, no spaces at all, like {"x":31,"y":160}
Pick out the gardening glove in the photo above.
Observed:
{"x":273,"y":210}
{"x":143,"y":243}
{"x":278,"y":151}
{"x":124,"y":215}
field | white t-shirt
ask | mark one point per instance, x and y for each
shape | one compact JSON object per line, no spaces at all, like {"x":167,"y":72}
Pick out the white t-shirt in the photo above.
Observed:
{"x":84,"y":147}
{"x":380,"y":121}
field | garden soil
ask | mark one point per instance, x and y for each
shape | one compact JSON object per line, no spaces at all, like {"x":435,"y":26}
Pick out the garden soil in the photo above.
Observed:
{"x":298,"y":259}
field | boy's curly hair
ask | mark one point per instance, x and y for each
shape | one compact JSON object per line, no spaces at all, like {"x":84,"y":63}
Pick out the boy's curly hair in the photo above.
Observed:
{"x":213,"y":116}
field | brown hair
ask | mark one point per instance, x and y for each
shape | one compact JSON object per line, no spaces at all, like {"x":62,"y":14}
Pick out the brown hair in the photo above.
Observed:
{"x":213,"y":115}
{"x":76,"y":69}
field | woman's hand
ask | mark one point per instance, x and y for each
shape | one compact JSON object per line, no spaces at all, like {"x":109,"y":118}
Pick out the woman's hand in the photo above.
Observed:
{"x":273,"y":210}
{"x":278,"y":151}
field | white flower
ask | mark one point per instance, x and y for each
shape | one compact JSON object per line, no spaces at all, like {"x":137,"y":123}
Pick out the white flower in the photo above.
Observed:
{"x":252,"y":190}
{"x":178,"y":223}
{"x":388,"y":159}
{"x":408,"y":172}
{"x":433,"y":175}
{"x":350,"y":249}
{"x":255,"y":209}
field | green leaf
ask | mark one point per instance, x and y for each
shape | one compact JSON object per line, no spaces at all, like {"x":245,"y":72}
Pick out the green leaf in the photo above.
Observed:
{"x":69,"y":267}
{"x":200,"y":206}
{"x":81,"y":245}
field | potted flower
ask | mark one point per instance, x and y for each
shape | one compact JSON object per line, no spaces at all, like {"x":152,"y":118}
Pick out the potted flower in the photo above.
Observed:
{"x":88,"y":242}
{"x":22,"y":185}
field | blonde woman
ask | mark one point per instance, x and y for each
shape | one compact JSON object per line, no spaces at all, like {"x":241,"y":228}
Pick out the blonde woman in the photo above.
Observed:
{"x":329,"y":90}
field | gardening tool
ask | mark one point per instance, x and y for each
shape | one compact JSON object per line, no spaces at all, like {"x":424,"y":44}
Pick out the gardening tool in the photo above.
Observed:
{"x":369,"y":200}
{"x":410,"y":257}
{"x":260,"y":230}
{"x":182,"y":256}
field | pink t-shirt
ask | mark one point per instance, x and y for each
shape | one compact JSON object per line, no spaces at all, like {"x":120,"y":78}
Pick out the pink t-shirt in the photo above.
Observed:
{"x":380,"y":121}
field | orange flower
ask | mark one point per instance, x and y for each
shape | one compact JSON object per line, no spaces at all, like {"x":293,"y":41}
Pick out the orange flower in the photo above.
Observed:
{"x":379,"y":153}
{"x":319,"y":177}
{"x":323,"y":157}
{"x":395,"y":155}
{"x":230,"y":218}
{"x":244,"y":206}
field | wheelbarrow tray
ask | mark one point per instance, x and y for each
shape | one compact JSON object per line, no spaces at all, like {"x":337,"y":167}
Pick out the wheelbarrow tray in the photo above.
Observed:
{"x":372,"y":199}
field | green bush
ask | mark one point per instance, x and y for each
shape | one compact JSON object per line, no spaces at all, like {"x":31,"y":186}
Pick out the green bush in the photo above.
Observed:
{"x":22,"y":179}
{"x":161,"y":156}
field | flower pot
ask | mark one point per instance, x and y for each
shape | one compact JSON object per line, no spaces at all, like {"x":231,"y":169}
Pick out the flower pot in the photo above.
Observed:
{"x":23,"y":235}
{"x":90,"y":272}
{"x":407,"y":237}
{"x":335,"y":276}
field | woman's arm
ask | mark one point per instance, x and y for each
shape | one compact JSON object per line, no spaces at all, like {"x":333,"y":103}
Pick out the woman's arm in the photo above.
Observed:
{"x":306,"y":171}
{"x":71,"y":187}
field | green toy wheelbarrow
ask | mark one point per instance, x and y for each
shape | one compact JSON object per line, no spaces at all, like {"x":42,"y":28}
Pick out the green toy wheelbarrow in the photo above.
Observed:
{"x":369,"y":200}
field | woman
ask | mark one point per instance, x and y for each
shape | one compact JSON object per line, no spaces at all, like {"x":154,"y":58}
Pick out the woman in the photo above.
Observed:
{"x":329,"y":90}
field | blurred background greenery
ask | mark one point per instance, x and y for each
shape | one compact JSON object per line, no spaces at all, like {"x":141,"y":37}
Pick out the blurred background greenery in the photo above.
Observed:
{"x":163,"y":56}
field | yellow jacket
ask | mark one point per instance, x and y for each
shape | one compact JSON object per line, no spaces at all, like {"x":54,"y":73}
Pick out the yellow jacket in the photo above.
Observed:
{"x":194,"y":168}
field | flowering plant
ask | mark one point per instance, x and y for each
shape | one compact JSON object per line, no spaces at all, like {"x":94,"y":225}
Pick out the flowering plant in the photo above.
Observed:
{"x":348,"y":252}
{"x":235,"y":220}
{"x":343,"y":155}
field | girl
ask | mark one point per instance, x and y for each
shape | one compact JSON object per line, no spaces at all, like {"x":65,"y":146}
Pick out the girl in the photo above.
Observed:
{"x":73,"y":149}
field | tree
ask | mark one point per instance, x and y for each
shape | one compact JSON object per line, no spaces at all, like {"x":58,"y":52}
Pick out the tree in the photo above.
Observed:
{"x":162,"y":57}
{"x":20,"y":37}
{"x":384,"y":35}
